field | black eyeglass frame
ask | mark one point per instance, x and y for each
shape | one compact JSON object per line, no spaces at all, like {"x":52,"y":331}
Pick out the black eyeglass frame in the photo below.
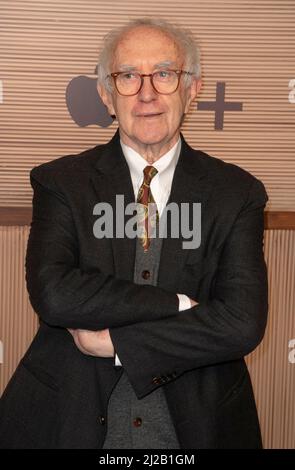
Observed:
{"x":115,"y":75}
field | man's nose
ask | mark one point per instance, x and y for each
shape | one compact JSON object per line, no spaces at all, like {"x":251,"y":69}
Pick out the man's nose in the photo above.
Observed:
{"x":147,"y":92}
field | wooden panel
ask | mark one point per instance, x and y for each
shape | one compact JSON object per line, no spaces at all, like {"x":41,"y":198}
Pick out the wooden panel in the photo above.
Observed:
{"x":249,"y":45}
{"x":23,"y":216}
{"x":272,"y":372}
{"x":279,"y":220}
{"x":16,"y":216}
{"x":18,"y":323}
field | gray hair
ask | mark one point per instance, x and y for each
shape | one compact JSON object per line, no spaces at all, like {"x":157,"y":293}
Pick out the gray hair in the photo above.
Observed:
{"x":183,"y":38}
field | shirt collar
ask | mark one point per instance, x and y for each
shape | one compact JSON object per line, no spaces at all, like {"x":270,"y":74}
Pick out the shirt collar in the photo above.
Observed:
{"x":137,"y":163}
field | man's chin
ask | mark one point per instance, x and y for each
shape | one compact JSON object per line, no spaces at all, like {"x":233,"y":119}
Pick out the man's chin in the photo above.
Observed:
{"x":146,"y":138}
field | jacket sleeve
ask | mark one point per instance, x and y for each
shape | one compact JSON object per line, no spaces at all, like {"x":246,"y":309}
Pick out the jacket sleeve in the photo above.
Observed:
{"x":226,"y":327}
{"x":60,"y":292}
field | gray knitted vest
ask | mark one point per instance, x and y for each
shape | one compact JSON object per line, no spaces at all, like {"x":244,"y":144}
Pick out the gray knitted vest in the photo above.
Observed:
{"x":144,"y":423}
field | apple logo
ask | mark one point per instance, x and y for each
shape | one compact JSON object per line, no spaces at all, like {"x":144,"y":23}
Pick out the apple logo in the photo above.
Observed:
{"x":84,"y":103}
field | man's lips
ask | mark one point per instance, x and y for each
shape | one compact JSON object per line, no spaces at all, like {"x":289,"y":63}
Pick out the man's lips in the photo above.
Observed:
{"x":148,"y":115}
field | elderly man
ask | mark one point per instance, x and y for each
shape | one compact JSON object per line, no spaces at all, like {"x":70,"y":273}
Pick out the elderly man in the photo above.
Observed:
{"x":142,"y":340}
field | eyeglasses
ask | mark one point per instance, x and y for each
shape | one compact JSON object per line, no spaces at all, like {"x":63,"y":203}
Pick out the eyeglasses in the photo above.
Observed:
{"x":164,"y":82}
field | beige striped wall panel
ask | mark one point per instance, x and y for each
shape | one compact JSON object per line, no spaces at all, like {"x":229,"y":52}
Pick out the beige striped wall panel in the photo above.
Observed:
{"x":248,"y":44}
{"x":272,"y":374}
{"x":18,"y":323}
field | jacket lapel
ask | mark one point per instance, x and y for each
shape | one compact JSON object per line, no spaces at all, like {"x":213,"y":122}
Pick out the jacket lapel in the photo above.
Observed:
{"x":112,"y":178}
{"x":190,"y":185}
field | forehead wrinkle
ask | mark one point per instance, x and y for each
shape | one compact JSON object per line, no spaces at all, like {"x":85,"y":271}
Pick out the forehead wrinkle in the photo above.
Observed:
{"x":126,"y":67}
{"x":125,"y":40}
{"x":165,"y":63}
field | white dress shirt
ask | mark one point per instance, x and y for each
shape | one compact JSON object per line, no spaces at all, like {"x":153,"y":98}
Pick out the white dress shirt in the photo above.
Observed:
{"x":160,"y":188}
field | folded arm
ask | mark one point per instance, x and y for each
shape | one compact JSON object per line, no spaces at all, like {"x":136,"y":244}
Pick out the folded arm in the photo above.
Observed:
{"x":99,"y":343}
{"x":226,"y":327}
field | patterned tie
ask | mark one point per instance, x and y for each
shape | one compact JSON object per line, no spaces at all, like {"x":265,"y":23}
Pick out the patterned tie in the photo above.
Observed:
{"x":146,"y":220}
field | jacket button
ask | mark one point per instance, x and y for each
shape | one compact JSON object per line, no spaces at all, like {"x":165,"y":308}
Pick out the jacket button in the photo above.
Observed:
{"x":156,"y":380}
{"x":145,"y":274}
{"x":163,"y":379}
{"x":102,"y":420}
{"x":137,"y":422}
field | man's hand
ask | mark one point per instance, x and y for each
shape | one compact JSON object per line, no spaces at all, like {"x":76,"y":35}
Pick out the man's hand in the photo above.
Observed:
{"x":94,"y":343}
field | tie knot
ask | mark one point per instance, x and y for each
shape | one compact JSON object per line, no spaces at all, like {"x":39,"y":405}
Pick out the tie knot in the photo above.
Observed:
{"x":149,"y":172}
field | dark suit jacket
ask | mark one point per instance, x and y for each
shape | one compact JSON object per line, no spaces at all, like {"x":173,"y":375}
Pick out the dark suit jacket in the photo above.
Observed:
{"x":58,"y":397}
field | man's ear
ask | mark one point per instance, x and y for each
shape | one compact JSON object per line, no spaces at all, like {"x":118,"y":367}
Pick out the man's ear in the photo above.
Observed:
{"x":106,"y":98}
{"x":193,"y":92}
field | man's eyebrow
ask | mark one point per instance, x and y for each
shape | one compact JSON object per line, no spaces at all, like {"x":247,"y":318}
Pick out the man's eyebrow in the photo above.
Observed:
{"x":164,"y":63}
